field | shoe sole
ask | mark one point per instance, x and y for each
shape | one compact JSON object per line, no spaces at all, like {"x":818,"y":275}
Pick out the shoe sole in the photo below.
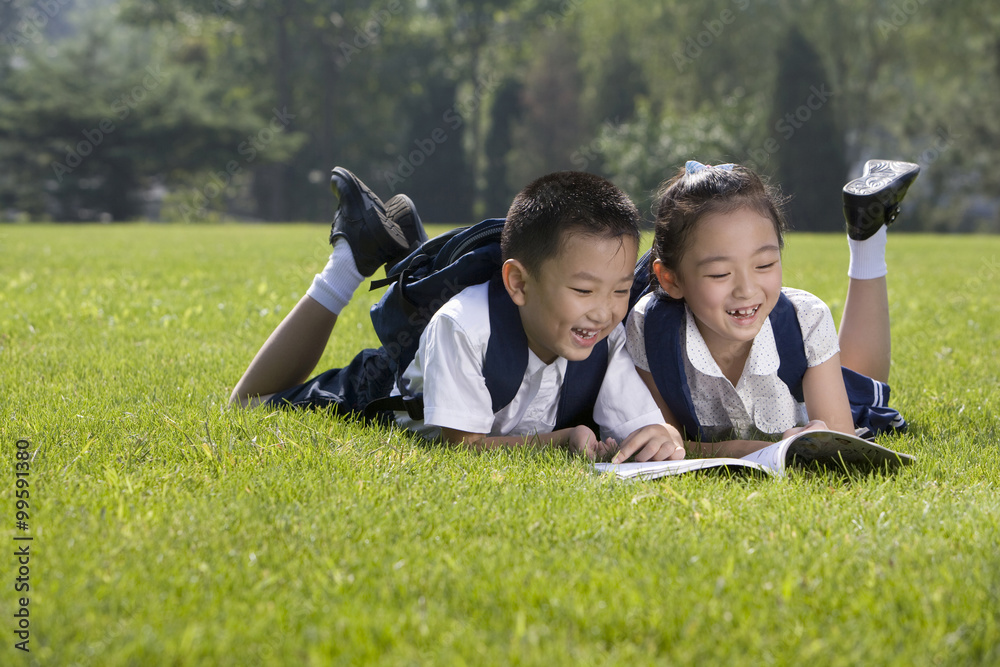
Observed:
{"x":878,"y":177}
{"x":403,"y":212}
{"x":879,"y":174}
{"x":357,"y":200}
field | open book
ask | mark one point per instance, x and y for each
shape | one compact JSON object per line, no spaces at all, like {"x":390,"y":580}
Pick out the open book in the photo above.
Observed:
{"x":827,"y":449}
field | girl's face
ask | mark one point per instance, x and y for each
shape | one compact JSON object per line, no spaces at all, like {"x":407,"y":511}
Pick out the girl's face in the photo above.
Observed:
{"x":730,"y":277}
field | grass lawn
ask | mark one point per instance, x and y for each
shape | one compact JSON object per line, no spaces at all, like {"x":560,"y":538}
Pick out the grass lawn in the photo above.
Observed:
{"x":168,"y":529}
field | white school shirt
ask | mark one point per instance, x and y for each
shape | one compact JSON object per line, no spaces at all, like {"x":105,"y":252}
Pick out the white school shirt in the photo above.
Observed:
{"x":760,"y":403}
{"x":448,"y":369}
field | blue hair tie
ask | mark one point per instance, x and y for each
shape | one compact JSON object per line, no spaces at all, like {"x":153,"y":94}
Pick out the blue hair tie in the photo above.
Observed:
{"x":693,"y":166}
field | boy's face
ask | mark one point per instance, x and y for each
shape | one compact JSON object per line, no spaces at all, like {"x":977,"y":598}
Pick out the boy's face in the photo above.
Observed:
{"x":578,"y":297}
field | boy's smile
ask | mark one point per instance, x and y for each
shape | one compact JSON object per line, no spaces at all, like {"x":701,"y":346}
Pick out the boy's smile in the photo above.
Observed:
{"x":579,"y":297}
{"x":730,"y":277}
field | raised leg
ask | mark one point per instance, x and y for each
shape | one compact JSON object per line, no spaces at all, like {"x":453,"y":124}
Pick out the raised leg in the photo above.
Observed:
{"x":288,"y":356}
{"x":871,"y":203}
{"x":365,"y":235}
{"x":865,"y":334}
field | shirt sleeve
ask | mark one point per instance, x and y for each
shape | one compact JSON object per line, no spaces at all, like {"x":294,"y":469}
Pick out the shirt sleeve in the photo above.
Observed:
{"x":635,"y":327}
{"x":624,"y":403}
{"x":819,"y":333}
{"x":455,"y":393}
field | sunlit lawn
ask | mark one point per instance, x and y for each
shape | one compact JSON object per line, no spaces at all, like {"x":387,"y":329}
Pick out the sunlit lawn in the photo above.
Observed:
{"x":168,"y":529}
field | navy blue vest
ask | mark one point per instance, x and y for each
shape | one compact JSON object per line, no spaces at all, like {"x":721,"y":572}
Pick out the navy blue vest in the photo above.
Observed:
{"x":507,"y":360}
{"x":665,"y":353}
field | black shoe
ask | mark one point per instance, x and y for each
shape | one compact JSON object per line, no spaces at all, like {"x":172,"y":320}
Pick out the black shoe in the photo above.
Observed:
{"x":362,"y":220}
{"x":873,"y":200}
{"x":401,"y":209}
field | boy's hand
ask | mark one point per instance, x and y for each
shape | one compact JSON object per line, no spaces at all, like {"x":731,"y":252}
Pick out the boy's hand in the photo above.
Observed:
{"x":582,"y":440}
{"x":656,"y":442}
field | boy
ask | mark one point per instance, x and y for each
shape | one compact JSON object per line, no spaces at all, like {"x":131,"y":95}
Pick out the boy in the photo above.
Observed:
{"x":569,"y":249}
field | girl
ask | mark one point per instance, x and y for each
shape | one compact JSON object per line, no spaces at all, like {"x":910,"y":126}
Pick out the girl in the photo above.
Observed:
{"x":731,"y":356}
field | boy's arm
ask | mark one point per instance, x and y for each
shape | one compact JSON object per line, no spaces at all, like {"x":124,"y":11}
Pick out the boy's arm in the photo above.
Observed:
{"x":731,"y":448}
{"x":579,"y":439}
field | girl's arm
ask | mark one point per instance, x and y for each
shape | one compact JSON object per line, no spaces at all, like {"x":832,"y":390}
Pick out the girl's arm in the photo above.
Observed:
{"x":731,"y":448}
{"x":826,"y":396}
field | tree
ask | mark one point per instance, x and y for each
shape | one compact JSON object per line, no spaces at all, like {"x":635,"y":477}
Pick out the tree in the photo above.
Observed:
{"x":505,"y":114}
{"x":549,"y":132}
{"x":95,"y":118}
{"x":811,"y":162}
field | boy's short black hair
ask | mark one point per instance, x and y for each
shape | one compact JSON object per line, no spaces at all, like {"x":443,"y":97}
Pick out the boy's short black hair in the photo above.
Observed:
{"x":566,"y":200}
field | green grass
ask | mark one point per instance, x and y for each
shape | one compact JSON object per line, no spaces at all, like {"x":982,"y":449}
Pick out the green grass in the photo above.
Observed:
{"x":168,"y":529}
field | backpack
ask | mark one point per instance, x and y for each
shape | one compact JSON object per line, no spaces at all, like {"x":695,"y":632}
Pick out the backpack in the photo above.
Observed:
{"x":435,"y":272}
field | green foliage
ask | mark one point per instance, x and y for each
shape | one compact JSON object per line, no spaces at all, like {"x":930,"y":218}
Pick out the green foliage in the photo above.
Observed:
{"x":637,"y":153}
{"x":98,"y":117}
{"x":459,"y":103}
{"x":169,"y":529}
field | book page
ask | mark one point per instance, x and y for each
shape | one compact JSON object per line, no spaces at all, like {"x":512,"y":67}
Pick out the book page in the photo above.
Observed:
{"x":771,"y":457}
{"x":828,"y":448}
{"x":655,"y":469}
{"x":833,"y":447}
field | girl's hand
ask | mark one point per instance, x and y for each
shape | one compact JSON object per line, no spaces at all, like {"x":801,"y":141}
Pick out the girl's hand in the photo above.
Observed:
{"x":814,"y":425}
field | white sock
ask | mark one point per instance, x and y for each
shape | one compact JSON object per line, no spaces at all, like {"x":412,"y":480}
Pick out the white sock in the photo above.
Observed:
{"x":335,"y":284}
{"x":868,"y":256}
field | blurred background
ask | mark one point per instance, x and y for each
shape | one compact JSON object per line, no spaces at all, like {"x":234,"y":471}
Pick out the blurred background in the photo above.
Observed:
{"x":204,"y":110}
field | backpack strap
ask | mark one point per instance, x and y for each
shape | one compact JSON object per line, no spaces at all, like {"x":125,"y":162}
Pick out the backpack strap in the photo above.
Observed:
{"x":376,"y":409}
{"x":663,"y":327}
{"x":580,"y":388}
{"x":641,"y":281}
{"x":791,"y":348}
{"x":507,"y":350}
